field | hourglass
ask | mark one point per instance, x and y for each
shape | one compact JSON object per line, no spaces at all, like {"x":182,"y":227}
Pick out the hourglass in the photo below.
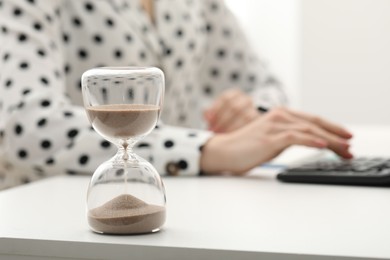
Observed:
{"x":126,"y":194}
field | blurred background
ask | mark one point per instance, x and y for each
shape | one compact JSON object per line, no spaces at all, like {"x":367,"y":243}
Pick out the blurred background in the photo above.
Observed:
{"x":333,"y":56}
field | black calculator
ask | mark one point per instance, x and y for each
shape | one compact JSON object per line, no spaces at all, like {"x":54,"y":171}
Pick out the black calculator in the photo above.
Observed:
{"x":371,"y":171}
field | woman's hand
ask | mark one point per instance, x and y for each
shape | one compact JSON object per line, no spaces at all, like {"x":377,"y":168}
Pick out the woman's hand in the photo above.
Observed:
{"x":230,"y":111}
{"x":267,"y":136}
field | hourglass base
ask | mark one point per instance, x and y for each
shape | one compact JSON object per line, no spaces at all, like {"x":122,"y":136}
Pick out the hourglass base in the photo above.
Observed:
{"x":127,"y":234}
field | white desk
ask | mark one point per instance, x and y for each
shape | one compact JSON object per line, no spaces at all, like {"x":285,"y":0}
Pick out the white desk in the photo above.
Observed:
{"x":254,"y":217}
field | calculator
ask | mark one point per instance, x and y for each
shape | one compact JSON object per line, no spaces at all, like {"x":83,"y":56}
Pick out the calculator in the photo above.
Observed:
{"x":370,"y":171}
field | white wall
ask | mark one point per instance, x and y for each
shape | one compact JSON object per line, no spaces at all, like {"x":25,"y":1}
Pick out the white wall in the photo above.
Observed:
{"x":273,"y":27}
{"x":346,"y":60}
{"x":332,"y":55}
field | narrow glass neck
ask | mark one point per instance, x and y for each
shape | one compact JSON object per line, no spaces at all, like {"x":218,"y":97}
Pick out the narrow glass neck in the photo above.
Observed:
{"x":125,"y":153}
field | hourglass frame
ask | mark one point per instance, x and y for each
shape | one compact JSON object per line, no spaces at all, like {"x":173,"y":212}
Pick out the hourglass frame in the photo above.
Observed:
{"x":126,"y":194}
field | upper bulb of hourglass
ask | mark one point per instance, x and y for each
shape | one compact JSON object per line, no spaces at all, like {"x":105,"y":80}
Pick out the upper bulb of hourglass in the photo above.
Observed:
{"x":123,"y":123}
{"x":123,"y":108}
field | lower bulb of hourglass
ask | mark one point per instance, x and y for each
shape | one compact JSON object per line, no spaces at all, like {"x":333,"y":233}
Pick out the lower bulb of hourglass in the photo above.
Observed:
{"x":126,"y":197}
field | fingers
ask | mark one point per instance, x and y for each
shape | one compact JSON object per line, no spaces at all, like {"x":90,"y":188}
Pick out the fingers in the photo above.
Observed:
{"x":235,"y":111}
{"x":329,"y":126}
{"x":278,"y":117}
{"x":291,"y":137}
{"x":335,"y":143}
{"x":214,"y":111}
{"x":283,"y":120}
{"x":242,"y":119}
{"x":231,"y":111}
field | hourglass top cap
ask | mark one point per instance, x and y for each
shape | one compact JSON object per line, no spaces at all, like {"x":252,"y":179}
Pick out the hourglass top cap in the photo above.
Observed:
{"x":107,"y":71}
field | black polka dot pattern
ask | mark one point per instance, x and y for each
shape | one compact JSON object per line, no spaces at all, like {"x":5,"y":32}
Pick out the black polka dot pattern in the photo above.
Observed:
{"x":17,"y":12}
{"x":68,"y":114}
{"x":183,"y":164}
{"x":199,"y":46}
{"x":109,"y":22}
{"x":38,"y":171}
{"x":65,"y":37}
{"x":83,"y":159}
{"x":41,"y":52}
{"x":26,"y":91}
{"x":89,"y":7}
{"x":22,"y":38}
{"x":25,"y":180}
{"x":97,"y":38}
{"x":105,"y":144}
{"x":71,"y":172}
{"x":41,"y":122}
{"x":77,"y":22}
{"x":143,"y":145}
{"x":22,"y":154}
{"x":83,"y":54}
{"x":45,"y":103}
{"x":44,"y":81}
{"x":24,"y":65}
{"x":119,"y":172}
{"x":50,"y":161}
{"x":4,"y":29}
{"x":18,"y":129}
{"x":8,"y":83}
{"x":45,"y":144}
{"x":37,"y":26}
{"x":168,"y":144}
{"x":72,"y":133}
{"x":6,"y":56}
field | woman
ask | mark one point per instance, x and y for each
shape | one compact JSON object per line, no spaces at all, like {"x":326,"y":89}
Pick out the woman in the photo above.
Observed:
{"x":213,"y":81}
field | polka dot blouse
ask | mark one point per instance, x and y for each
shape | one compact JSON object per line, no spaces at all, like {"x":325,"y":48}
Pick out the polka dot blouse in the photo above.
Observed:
{"x":45,"y":46}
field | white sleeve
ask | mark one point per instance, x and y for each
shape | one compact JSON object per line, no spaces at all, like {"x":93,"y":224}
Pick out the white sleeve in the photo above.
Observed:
{"x":174,"y":150}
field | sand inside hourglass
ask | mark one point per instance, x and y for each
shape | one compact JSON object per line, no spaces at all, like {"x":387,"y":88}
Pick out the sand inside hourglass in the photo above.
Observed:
{"x":123,"y":121}
{"x":125,"y":214}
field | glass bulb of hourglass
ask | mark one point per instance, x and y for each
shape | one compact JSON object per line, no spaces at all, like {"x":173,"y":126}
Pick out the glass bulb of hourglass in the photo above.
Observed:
{"x":123,"y":124}
{"x":126,"y":194}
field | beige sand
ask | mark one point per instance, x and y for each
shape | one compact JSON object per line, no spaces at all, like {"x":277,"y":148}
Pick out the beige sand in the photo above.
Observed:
{"x":123,"y":120}
{"x":126,"y":214}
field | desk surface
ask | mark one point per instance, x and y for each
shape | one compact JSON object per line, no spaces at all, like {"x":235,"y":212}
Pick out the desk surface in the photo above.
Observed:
{"x":208,"y":218}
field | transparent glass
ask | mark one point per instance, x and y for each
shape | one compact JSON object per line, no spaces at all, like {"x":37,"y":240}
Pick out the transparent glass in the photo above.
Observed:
{"x":126,"y":194}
